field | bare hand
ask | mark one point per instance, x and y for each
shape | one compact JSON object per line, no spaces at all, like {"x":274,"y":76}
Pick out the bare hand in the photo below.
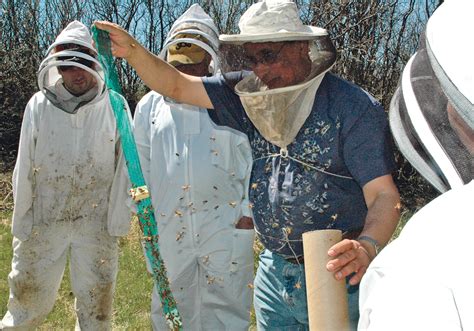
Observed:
{"x":244,"y":223}
{"x":349,"y":257}
{"x":123,"y":44}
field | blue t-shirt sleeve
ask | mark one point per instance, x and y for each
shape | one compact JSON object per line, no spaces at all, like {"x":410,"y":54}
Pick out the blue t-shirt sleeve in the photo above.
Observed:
{"x":228,"y":109}
{"x":368,"y":147}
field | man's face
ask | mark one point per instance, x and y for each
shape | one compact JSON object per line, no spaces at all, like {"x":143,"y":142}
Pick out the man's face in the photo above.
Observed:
{"x":198,"y":70}
{"x":76,"y":80}
{"x":279,"y":64}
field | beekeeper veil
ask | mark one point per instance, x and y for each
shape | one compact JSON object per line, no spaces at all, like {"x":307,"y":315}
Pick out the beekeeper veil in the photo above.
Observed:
{"x":275,"y":66}
{"x":192,"y":35}
{"x":432,"y":111}
{"x":72,"y":50}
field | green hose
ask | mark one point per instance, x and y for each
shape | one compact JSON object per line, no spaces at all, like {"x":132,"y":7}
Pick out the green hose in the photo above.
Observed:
{"x":145,"y":209}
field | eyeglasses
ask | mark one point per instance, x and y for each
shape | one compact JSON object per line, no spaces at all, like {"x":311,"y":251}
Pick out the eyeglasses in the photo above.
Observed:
{"x":264,"y":56}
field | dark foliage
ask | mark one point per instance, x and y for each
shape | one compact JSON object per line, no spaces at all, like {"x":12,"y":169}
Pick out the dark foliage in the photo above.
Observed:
{"x":374,"y":39}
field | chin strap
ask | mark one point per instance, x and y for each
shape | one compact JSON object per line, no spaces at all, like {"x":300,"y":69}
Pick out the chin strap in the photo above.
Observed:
{"x":139,"y":190}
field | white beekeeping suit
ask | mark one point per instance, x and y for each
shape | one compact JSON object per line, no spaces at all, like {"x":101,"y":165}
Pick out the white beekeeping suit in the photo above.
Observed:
{"x":198,"y":175}
{"x":66,"y":190}
{"x":423,"y":279}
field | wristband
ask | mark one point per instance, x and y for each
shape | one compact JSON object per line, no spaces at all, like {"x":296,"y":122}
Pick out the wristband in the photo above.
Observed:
{"x":373,"y":242}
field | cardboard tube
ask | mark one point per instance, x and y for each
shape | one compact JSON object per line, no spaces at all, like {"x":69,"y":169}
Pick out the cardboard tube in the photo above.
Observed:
{"x":327,"y":298}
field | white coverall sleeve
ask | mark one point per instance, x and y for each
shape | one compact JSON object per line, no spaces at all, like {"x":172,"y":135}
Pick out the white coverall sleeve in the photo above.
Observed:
{"x":244,"y":157}
{"x":119,"y":216}
{"x":23,"y":176}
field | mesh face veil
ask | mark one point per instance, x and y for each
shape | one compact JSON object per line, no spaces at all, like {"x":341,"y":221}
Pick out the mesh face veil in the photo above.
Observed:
{"x":432,"y":112}
{"x":277,"y":82}
{"x":58,"y":76}
{"x":275,"y":65}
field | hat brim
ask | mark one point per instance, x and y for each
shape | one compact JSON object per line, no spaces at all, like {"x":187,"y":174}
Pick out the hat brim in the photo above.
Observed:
{"x":177,"y":59}
{"x":308,"y":33}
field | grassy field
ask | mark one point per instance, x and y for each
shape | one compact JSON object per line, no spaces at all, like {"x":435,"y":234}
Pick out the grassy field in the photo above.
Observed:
{"x":134,"y":285}
{"x":132,"y":296}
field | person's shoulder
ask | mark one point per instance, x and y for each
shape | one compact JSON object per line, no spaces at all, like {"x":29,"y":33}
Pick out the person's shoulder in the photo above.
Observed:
{"x":38,"y":97}
{"x":346,"y":91}
{"x":221,"y":92}
{"x":37,"y":102}
{"x":151,"y":96}
{"x":149,"y":101}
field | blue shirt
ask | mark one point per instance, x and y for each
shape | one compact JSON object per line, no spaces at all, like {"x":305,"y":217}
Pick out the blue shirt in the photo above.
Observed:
{"x":344,"y":143}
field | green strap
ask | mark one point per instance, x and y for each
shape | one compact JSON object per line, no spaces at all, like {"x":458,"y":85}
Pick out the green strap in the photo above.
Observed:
{"x":145,"y":209}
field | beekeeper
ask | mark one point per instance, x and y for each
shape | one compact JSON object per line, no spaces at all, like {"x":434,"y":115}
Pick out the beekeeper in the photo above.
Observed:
{"x":321,"y":149}
{"x":198,"y":174}
{"x":423,"y":280}
{"x":67,"y":202}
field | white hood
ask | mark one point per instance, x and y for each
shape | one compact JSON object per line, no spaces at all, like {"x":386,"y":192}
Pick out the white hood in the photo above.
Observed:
{"x":74,"y":33}
{"x":196,"y":18}
{"x":50,"y":80}
{"x":195,"y":23}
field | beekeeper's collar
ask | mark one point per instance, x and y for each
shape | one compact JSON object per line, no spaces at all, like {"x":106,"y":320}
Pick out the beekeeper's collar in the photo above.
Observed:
{"x":49,"y":78}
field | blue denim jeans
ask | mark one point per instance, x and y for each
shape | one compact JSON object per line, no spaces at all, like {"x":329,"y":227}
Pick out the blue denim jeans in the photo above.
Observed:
{"x":280,"y":295}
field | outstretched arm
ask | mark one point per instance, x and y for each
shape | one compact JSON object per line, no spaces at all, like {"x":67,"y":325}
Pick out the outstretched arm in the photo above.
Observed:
{"x":156,"y":73}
